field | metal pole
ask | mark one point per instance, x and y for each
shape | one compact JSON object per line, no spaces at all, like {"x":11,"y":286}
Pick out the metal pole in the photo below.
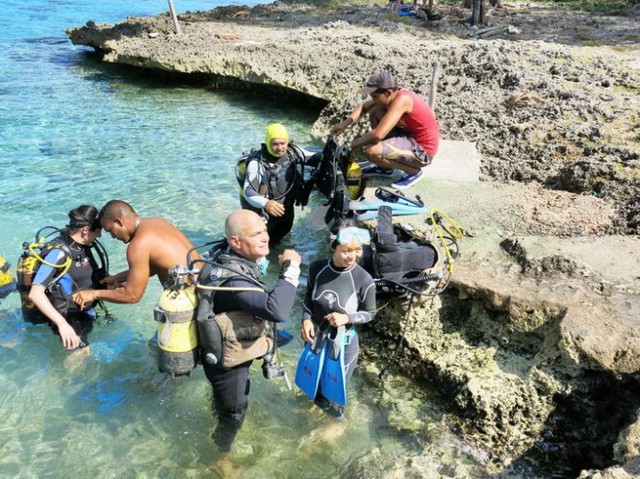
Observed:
{"x":174,"y":17}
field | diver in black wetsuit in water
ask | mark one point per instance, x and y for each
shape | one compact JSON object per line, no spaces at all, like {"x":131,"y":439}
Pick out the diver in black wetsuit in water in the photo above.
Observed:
{"x":339,"y":293}
{"x":248,"y":245}
{"x":272,"y":184}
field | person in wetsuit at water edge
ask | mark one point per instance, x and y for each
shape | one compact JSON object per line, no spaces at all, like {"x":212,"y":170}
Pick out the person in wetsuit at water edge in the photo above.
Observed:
{"x":248,"y":245}
{"x":272,"y":184}
{"x":52,"y":288}
{"x":339,"y":293}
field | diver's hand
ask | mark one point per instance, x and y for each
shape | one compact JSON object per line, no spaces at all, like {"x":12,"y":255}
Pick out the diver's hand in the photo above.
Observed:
{"x":81,"y":298}
{"x":274,"y":208}
{"x":290,"y":255}
{"x":308,"y":331}
{"x":70,"y":340}
{"x":340,"y":127}
{"x":336,"y":319}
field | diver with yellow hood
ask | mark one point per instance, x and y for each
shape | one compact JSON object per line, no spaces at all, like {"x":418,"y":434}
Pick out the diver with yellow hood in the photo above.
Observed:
{"x":272,"y":181}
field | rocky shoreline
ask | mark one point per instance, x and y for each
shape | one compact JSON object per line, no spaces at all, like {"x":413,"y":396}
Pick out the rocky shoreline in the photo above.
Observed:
{"x":536,"y":343}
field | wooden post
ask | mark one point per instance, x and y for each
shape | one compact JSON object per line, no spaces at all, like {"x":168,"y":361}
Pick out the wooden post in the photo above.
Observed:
{"x":433,"y":90}
{"x":477,"y":12}
{"x":174,"y":17}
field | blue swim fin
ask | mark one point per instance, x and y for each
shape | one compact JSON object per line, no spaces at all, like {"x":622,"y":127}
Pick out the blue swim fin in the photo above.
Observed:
{"x":333,"y":384}
{"x":395,"y":202}
{"x":367,"y":209}
{"x":310,"y":365}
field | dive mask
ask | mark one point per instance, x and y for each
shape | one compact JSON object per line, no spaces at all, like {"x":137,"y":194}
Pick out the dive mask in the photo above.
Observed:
{"x":350,"y":235}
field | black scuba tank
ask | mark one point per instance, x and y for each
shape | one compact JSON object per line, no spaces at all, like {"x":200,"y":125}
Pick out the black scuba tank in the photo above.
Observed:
{"x":209,"y":334}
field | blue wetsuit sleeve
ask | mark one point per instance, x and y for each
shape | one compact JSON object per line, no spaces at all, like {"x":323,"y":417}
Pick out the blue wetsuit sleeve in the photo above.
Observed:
{"x":46,"y":273}
{"x":366,"y":298}
{"x":252,"y":181}
{"x":274,"y":305}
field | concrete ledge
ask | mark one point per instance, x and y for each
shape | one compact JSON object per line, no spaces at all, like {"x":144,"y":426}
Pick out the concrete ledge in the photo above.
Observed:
{"x":457,"y":161}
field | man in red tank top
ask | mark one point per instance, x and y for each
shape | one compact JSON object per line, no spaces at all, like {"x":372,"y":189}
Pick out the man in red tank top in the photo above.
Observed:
{"x":404,"y":135}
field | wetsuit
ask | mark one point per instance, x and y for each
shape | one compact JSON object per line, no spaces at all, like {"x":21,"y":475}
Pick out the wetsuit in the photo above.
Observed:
{"x":271,"y":178}
{"x":345,"y":290}
{"x":231,"y":385}
{"x":80,"y":276}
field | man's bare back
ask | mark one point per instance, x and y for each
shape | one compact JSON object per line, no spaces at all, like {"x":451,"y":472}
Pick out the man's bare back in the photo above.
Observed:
{"x":163,"y":244}
{"x":154,"y":246}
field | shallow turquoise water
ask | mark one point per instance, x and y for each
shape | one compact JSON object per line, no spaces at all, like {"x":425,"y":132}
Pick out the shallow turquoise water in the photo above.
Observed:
{"x":75,"y":131}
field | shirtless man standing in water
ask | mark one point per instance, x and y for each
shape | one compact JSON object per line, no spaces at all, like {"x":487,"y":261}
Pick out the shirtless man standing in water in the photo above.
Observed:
{"x":154,"y":247}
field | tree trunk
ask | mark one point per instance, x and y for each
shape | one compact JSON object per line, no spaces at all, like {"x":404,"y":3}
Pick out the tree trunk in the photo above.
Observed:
{"x":477,"y":12}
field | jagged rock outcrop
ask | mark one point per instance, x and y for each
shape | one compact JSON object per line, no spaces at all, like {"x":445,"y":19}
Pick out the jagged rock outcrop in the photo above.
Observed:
{"x":558,"y":115}
{"x":537,"y":341}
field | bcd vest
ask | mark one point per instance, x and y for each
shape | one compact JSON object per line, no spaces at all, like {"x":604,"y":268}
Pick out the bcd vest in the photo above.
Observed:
{"x":281,"y":179}
{"x":231,"y":338}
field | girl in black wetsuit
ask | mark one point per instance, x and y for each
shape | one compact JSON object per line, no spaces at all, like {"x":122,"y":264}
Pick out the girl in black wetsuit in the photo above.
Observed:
{"x":340,"y":293}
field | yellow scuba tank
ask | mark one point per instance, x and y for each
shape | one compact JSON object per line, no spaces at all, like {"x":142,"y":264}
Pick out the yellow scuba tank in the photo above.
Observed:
{"x":354,"y":180}
{"x":25,"y":271}
{"x":177,"y":330}
{"x":28,"y":264}
{"x":7,"y":283}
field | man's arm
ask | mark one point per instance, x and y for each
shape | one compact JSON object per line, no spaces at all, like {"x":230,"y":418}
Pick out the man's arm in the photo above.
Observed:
{"x":115,"y":280}
{"x":276,"y":304}
{"x":138,"y":254}
{"x":398,"y":107}
{"x":139,"y":271}
{"x":354,"y":117}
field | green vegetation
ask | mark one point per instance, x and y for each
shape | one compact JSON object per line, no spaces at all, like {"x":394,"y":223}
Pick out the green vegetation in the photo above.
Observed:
{"x":626,"y":172}
{"x":605,"y":7}
{"x":331,"y":4}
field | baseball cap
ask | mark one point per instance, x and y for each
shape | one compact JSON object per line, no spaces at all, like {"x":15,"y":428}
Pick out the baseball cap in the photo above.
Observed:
{"x":378,"y":80}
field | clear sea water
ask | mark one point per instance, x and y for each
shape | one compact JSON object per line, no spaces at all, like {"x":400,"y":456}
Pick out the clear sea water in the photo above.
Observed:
{"x":74,"y":131}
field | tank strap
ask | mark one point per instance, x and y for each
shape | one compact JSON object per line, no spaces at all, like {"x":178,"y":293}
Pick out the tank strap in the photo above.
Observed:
{"x":228,"y":268}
